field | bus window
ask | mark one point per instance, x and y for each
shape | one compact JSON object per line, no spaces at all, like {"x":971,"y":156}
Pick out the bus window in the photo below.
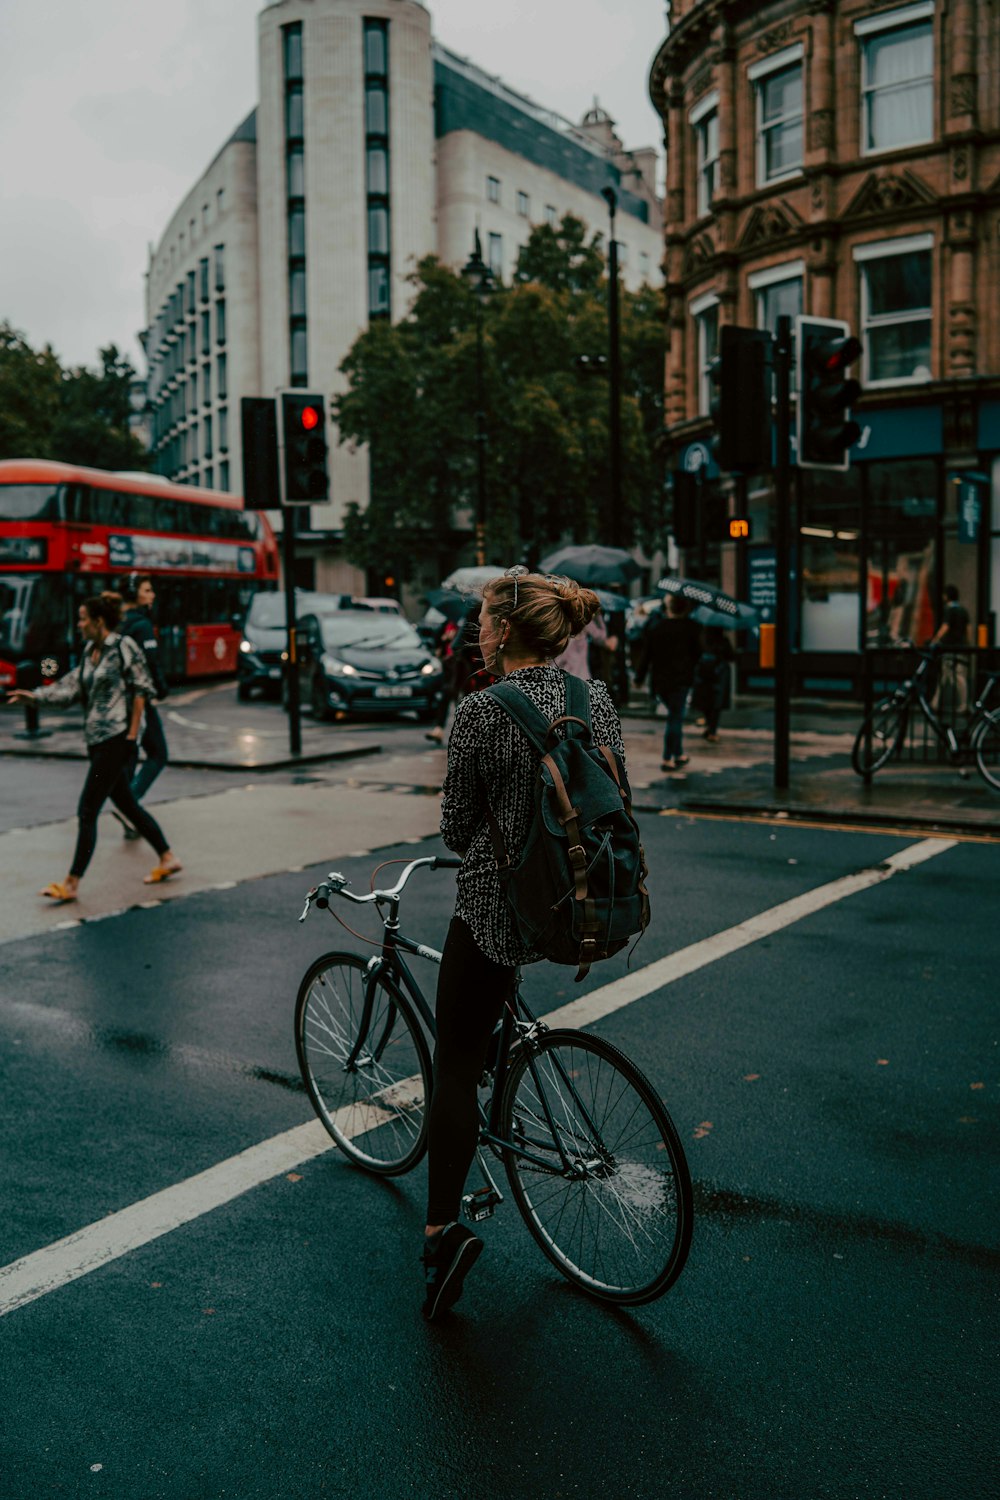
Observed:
{"x":28,"y":502}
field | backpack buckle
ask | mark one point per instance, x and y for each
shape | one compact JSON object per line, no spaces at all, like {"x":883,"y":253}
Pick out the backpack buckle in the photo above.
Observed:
{"x":577,"y":856}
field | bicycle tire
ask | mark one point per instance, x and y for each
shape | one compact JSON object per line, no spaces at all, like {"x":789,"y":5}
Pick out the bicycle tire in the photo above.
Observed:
{"x":987,"y":750}
{"x":621,"y":1229}
{"x":888,"y":726}
{"x":377,"y":1112}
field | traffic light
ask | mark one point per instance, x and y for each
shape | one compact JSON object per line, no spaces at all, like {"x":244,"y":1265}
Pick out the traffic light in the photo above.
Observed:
{"x":303,"y":427}
{"x":740,"y":404}
{"x":825,"y":348}
{"x":260,"y":453}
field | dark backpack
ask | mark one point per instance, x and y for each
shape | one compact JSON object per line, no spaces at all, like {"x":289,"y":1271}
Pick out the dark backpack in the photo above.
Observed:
{"x":577,"y":892}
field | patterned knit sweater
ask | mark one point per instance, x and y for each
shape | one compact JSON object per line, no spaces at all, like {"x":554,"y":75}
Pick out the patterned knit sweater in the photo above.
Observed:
{"x":490,"y":760}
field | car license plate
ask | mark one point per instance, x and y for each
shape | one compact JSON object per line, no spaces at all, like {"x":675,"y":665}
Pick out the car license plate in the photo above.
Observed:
{"x":393,"y":692}
{"x":274,"y":672}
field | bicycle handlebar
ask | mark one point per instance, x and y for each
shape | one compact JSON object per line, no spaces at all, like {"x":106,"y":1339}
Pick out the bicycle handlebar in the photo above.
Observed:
{"x":336,"y":884}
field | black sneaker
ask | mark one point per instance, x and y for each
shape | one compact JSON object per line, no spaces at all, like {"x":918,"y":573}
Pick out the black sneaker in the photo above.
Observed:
{"x":447,"y":1261}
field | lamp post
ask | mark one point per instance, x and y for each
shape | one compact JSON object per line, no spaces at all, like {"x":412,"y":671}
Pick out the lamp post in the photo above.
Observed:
{"x":479,"y":278}
{"x":614,"y":374}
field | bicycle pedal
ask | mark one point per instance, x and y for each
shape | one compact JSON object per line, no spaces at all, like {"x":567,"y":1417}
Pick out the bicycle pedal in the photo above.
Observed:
{"x":481,"y":1204}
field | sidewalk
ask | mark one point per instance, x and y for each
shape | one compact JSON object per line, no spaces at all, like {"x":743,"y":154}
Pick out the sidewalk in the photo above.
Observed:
{"x":737,"y":774}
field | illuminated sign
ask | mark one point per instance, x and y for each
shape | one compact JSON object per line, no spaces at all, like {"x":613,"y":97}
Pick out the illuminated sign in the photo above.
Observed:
{"x":739,"y":529}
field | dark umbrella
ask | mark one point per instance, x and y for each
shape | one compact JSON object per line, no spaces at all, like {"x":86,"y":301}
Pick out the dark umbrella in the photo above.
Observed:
{"x":713,"y":607}
{"x":593,"y":566}
{"x":448,"y":602}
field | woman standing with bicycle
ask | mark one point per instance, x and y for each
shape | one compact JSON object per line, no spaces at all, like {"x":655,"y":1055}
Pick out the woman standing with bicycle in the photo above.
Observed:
{"x":526,"y":620}
{"x":113,"y":684}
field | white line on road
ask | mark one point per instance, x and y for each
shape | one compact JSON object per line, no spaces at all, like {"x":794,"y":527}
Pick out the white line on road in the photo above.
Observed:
{"x":97,"y":1244}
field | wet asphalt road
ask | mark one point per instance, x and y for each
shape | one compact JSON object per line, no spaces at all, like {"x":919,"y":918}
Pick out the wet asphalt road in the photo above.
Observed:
{"x":835,"y":1086}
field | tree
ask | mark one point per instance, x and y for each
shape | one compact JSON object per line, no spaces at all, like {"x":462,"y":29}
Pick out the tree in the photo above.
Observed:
{"x":78,"y":416}
{"x":411,"y":398}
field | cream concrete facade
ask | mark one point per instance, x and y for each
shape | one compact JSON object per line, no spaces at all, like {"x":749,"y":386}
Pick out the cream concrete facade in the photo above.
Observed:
{"x":436,"y":197}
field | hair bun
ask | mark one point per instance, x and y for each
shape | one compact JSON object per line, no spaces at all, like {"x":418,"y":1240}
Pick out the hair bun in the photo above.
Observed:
{"x":581,"y":605}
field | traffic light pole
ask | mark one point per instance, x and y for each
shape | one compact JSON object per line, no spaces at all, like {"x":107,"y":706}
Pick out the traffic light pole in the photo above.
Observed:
{"x":291,"y":663}
{"x":615,"y":527}
{"x":782,"y":549}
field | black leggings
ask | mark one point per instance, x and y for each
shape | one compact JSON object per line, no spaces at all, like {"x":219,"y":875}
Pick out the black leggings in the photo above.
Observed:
{"x":110,"y":767}
{"x":470,"y":996}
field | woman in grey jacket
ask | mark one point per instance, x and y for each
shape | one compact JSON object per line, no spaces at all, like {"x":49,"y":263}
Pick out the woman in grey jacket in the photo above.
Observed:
{"x":113,"y":684}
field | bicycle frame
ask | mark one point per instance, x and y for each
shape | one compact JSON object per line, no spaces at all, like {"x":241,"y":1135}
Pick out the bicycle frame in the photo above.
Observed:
{"x":518,"y":1025}
{"x":913,"y":693}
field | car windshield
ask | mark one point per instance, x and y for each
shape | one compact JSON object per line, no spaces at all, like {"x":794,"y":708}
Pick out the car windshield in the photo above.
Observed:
{"x":267,"y":611}
{"x":368,"y":629}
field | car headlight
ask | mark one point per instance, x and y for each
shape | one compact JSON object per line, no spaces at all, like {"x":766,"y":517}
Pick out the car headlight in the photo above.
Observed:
{"x":245,"y":646}
{"x":431,"y":669}
{"x":336,"y":668}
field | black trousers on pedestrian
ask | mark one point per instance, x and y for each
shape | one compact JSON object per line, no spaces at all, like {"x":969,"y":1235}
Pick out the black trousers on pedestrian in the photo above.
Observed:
{"x":470,"y":997}
{"x":154,"y":748}
{"x":110,"y":766}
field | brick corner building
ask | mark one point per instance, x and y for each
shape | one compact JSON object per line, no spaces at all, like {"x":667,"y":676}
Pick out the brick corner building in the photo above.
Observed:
{"x":842,"y":158}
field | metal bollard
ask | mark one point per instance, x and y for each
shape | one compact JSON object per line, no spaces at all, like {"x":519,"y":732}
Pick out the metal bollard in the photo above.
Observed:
{"x":31,"y":730}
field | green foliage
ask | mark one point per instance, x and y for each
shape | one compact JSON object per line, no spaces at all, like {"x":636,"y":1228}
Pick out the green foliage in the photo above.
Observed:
{"x":412,"y":397}
{"x":77,"y":416}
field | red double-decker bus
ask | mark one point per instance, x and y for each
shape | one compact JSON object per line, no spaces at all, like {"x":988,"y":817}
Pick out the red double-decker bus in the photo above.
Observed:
{"x":67,"y":532}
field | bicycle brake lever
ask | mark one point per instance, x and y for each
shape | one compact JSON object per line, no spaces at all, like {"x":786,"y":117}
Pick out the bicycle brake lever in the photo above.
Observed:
{"x":305,"y":909}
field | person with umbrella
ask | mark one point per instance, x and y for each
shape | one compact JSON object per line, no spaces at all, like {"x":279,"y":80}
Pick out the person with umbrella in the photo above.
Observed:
{"x":711,"y":680}
{"x":669,"y":651}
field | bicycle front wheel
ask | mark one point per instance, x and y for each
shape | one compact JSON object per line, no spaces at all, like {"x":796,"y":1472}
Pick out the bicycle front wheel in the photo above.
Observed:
{"x":887,"y":727}
{"x":596,"y":1167}
{"x":987,"y":748}
{"x":366,"y":1068}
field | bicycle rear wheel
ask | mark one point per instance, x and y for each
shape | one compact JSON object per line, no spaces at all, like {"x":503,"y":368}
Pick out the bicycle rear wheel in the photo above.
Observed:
{"x":596,"y":1167}
{"x":888,"y":726}
{"x":372,"y":1099}
{"x":987,"y":748}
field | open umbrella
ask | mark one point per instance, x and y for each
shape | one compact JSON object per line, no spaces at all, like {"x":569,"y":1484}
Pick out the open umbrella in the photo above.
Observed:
{"x":471,"y":580}
{"x":593,"y":565}
{"x":449,"y":602}
{"x":712,"y":606}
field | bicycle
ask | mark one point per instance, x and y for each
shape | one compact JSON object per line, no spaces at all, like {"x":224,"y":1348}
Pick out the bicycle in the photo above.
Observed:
{"x":594,"y":1162}
{"x":883,"y":732}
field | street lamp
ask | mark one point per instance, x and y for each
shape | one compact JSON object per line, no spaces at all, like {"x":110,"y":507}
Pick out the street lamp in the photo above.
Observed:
{"x":614,"y":372}
{"x":479,"y":278}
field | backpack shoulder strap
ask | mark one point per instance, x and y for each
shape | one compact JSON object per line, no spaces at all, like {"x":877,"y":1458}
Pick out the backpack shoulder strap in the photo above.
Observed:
{"x":525,"y":715}
{"x":578,"y":700}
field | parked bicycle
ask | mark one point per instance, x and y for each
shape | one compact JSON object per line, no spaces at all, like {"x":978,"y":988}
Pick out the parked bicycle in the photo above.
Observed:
{"x":593,"y":1160}
{"x":883,"y":733}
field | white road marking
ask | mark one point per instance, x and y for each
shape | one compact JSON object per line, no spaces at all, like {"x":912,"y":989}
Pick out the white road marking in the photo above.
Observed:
{"x":108,"y":1239}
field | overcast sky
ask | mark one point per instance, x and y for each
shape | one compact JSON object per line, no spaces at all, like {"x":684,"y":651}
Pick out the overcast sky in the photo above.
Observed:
{"x":111,"y":109}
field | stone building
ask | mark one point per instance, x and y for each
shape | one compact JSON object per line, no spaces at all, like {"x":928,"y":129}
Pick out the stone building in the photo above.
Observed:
{"x":371,"y":146}
{"x":841,"y":158}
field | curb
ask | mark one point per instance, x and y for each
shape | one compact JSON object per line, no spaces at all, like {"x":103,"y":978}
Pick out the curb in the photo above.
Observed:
{"x":183,"y":763}
{"x":859,"y":817}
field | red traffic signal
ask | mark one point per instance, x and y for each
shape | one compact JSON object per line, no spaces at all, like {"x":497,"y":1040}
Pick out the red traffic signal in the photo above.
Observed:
{"x":304,"y":469}
{"x":310,"y":418}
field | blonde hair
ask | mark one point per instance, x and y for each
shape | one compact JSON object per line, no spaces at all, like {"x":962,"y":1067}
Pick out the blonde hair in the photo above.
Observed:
{"x":542,"y":612}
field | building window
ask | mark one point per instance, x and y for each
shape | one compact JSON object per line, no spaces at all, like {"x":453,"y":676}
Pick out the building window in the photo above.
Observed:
{"x":206,"y":332}
{"x":206,"y":385}
{"x":776,"y":291}
{"x":778,"y":82}
{"x":705,"y":312}
{"x":220,"y":322}
{"x":220,"y":370}
{"x":296,"y":173}
{"x":297,"y":231}
{"x":300,"y":354}
{"x":896,"y":309}
{"x":376,"y":111}
{"x":293,"y":113}
{"x":190,"y":305}
{"x":523,"y":205}
{"x":378,"y":229}
{"x":378,"y":170}
{"x":223,"y":429}
{"x":644,"y":265}
{"x":220,"y":268}
{"x":224,"y":475}
{"x":207,"y":477}
{"x":297,"y":292}
{"x":378,"y":291}
{"x":376,"y":50}
{"x":496,"y":255}
{"x":203,"y":278}
{"x":293,"y":50}
{"x":704,"y":119}
{"x":550,"y":214}
{"x":208,"y":437}
{"x":897,"y":78}
{"x":493,"y":189}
